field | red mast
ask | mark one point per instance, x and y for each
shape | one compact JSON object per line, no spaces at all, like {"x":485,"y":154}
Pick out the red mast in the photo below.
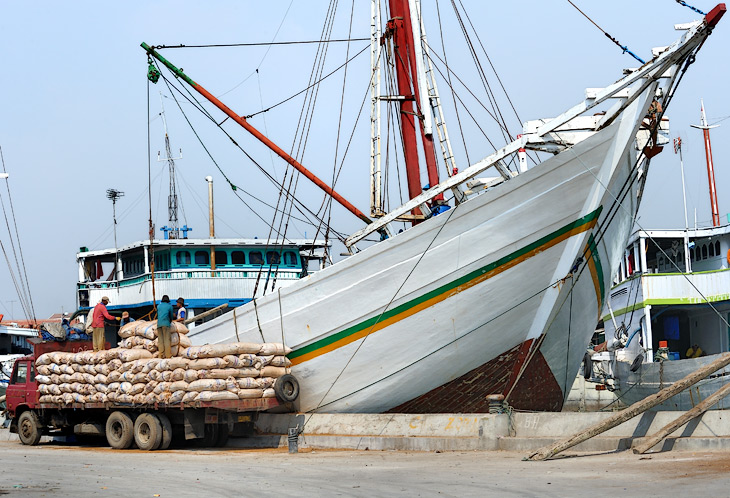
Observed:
{"x":400,"y":29}
{"x":710,"y":166}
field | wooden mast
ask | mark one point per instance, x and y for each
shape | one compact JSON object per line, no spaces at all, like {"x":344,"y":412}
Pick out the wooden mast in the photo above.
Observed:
{"x":400,"y":29}
{"x":710,"y":165}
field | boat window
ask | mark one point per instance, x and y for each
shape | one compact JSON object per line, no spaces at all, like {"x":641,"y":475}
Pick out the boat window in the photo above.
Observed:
{"x":712,"y":249}
{"x":255,"y":258}
{"x":202,"y":258}
{"x":238,"y":258}
{"x":717,"y":247}
{"x":290,"y":259}
{"x":221,"y":258}
{"x":182,"y":258}
{"x":21,"y":373}
{"x":273,"y":257}
{"x":704,"y":251}
{"x":162,"y":261}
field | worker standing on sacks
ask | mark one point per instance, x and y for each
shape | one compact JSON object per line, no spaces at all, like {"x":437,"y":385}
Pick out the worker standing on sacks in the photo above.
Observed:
{"x":165,"y":316}
{"x":99,"y":314}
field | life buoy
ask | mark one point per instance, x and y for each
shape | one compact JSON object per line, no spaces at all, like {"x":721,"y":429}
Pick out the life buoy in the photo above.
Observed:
{"x":728,"y":256}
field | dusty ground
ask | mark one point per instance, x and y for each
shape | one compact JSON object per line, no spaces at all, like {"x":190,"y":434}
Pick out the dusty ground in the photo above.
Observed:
{"x":52,"y":469}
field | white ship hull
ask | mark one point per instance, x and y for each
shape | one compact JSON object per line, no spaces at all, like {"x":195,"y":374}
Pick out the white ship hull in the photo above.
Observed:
{"x":405,"y":317}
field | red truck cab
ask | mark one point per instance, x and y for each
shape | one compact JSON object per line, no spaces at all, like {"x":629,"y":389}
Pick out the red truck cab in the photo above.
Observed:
{"x":22,"y":393}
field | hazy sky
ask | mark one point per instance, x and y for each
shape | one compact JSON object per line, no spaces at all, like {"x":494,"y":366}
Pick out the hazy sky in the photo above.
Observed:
{"x":74,"y":110}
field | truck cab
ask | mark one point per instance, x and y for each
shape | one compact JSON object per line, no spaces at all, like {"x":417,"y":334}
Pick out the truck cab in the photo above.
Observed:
{"x":22,"y":393}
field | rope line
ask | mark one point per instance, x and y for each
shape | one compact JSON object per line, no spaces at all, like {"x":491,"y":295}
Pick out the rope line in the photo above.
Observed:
{"x":614,"y":40}
{"x":682,"y":2}
{"x":262,"y":44}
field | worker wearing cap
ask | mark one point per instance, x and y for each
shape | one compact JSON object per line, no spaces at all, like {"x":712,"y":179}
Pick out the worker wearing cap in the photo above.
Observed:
{"x":97,"y":323}
{"x":165,"y":316}
{"x":182,"y":313}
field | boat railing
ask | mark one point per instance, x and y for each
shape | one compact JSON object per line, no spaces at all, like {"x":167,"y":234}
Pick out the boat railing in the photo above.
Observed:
{"x":195,"y":274}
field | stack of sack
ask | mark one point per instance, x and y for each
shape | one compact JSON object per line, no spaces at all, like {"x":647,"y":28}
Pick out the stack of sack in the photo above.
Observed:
{"x":134,"y":374}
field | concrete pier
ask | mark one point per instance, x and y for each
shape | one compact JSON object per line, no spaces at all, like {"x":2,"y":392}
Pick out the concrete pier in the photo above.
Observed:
{"x":465,"y":432}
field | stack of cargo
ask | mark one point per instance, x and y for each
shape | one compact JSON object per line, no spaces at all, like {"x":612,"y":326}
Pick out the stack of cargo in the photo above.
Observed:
{"x":134,"y":374}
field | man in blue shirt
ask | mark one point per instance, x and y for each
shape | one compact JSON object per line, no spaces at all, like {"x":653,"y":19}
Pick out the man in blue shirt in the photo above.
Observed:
{"x":165,"y":316}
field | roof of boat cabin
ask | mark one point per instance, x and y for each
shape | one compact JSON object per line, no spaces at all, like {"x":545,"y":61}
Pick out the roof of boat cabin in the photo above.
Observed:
{"x":166,"y":243}
{"x":692,"y":233}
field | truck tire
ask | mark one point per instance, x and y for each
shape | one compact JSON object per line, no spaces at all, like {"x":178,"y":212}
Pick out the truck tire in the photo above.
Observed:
{"x":222,"y":439}
{"x":209,"y":438}
{"x":29,"y":428}
{"x":287,"y":388}
{"x":148,"y":432}
{"x":119,"y":430}
{"x":166,"y":431}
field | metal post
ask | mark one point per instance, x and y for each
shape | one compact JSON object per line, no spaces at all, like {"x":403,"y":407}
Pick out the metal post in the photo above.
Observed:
{"x":113,"y":195}
{"x":211,"y":222}
{"x":293,"y":439}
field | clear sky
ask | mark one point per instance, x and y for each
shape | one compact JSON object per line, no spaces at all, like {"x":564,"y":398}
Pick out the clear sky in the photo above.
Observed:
{"x":74,"y":111}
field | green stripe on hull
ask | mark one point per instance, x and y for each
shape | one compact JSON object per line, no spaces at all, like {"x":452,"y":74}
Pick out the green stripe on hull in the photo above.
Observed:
{"x":405,"y":307}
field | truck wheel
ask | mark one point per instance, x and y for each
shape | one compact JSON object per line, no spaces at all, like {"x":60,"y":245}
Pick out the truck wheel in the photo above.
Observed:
{"x":119,"y":430}
{"x":222,"y":439}
{"x":209,"y":438}
{"x":287,"y":388}
{"x":166,"y":431}
{"x":29,"y":428}
{"x":148,"y":432}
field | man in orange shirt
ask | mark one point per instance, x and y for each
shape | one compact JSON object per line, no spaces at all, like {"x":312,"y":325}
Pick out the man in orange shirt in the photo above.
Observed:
{"x":97,"y":323}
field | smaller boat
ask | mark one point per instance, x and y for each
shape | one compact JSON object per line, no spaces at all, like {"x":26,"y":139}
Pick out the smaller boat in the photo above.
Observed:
{"x":669,"y":313}
{"x":240,"y":270}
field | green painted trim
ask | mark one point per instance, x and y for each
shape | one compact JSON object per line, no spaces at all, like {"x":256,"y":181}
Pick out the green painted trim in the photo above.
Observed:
{"x":682,"y":274}
{"x":668,"y":302}
{"x":326,"y":341}
{"x":178,"y":72}
{"x":667,"y":274}
{"x":599,"y":268}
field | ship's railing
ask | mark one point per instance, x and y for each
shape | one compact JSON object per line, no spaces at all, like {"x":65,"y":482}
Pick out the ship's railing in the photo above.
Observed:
{"x":196,"y":274}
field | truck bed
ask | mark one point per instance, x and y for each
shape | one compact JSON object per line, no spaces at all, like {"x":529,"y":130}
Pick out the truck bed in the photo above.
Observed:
{"x":241,"y":405}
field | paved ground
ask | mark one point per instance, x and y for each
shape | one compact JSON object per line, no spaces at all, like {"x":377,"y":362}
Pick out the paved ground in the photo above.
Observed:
{"x":52,"y":469}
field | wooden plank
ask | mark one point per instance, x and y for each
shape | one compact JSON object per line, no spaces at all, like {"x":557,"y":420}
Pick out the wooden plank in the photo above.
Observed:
{"x":683,"y":419}
{"x":632,"y":411}
{"x":205,"y":313}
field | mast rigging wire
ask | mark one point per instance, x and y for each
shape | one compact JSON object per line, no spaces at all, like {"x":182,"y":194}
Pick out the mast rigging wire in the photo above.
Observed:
{"x":193,"y":101}
{"x":614,"y":40}
{"x":25,"y":297}
{"x":263,"y":44}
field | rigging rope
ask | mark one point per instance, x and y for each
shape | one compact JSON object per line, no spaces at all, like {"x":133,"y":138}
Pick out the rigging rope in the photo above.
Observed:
{"x":682,"y":2}
{"x":262,"y":44}
{"x":614,"y":40}
{"x":26,"y":296}
{"x":344,"y":65}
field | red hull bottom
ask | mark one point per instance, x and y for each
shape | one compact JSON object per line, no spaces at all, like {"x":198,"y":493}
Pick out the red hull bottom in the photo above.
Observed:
{"x":535,"y":389}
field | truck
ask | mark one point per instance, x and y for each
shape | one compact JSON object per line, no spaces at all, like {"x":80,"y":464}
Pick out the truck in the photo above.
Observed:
{"x":150,"y":427}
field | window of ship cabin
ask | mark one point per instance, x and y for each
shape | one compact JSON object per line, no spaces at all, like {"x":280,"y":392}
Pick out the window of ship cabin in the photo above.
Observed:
{"x":238,"y":258}
{"x":273,"y":257}
{"x":704,"y":251}
{"x":712,"y":250}
{"x":162,"y":261}
{"x":290,"y":259}
{"x":221,"y":258}
{"x":202,"y":258}
{"x":255,"y":258}
{"x":717,"y":247}
{"x":182,"y":258}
